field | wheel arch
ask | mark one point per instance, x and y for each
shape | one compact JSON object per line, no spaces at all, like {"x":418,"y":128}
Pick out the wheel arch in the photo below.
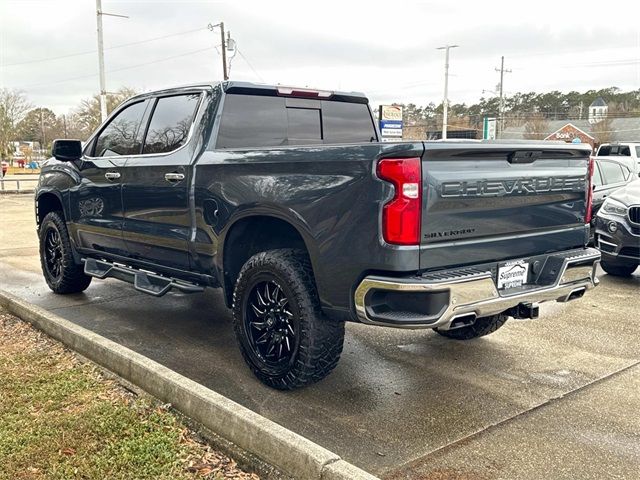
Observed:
{"x":255,"y":233}
{"x":46,"y":202}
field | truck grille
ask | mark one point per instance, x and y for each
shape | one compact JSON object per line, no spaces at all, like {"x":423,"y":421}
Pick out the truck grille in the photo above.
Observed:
{"x":634,"y":214}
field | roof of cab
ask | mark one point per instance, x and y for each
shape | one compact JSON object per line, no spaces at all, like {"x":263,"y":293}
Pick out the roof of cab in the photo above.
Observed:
{"x":256,"y":89}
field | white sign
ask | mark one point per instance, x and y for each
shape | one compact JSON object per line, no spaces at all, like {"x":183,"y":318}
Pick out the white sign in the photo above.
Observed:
{"x":513,"y":274}
{"x":391,"y":132}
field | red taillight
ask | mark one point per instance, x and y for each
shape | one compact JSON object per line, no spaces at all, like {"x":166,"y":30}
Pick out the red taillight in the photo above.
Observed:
{"x":587,"y":213}
{"x":401,"y":215}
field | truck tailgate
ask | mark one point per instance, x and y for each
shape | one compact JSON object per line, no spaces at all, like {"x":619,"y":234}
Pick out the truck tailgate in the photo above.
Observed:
{"x":492,"y":201}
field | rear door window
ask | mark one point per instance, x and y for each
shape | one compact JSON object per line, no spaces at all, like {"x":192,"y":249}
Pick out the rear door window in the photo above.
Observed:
{"x":170,"y":123}
{"x":612,"y":173}
{"x":122,"y":135}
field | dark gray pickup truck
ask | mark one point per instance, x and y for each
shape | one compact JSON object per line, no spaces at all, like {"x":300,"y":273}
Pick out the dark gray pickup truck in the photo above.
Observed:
{"x":286,"y":199}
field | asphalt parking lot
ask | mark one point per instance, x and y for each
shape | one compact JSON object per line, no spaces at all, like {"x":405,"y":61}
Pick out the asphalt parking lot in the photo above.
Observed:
{"x":556,"y":397}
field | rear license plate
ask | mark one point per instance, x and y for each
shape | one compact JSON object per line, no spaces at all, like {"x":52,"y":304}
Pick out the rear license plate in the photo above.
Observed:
{"x":512,"y":274}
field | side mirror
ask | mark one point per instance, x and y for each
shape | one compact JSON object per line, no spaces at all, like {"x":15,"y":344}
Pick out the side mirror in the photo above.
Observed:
{"x":66,"y":150}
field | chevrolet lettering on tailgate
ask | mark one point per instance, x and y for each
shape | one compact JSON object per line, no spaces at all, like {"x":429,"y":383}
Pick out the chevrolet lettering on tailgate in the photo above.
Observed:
{"x":518,"y":186}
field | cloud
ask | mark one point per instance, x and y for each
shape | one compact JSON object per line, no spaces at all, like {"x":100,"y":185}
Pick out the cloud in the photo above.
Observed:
{"x":387,"y":50}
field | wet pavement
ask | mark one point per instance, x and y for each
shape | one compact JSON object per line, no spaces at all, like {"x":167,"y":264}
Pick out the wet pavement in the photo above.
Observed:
{"x":556,"y":397}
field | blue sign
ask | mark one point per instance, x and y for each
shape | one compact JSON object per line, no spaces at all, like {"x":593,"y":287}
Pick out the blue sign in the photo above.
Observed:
{"x":390,"y":124}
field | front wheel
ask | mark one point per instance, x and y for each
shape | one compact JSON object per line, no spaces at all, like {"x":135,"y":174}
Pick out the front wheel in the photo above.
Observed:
{"x":60,"y":271}
{"x":482,"y":326}
{"x":283,"y":336}
{"x":618,"y":268}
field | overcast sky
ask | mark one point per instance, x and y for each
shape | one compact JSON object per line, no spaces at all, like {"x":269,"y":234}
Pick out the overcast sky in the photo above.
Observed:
{"x":386,"y":49}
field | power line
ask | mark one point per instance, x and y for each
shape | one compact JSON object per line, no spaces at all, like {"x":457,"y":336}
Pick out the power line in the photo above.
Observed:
{"x":88,"y":52}
{"x":250,"y":66}
{"x":130,"y":67}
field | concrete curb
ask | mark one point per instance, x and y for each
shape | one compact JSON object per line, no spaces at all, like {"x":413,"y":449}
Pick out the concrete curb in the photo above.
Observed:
{"x":278,"y":446}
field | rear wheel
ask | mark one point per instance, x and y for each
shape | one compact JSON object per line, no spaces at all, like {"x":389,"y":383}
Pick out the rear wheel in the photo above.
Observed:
{"x":283,"y":336}
{"x":60,"y":271}
{"x":482,"y":326}
{"x":618,"y":268}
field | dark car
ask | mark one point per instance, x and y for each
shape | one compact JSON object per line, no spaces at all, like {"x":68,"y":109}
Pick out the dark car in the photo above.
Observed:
{"x":618,"y":230}
{"x":286,"y":199}
{"x":608,"y":176}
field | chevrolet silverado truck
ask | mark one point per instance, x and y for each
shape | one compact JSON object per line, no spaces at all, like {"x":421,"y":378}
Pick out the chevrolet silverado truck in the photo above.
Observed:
{"x":287,"y":200}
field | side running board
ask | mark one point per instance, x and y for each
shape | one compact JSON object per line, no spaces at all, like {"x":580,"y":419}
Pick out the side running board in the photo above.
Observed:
{"x":145,"y":282}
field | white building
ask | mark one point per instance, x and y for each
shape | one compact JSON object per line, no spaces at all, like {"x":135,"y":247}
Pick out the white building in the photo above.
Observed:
{"x":598,"y":110}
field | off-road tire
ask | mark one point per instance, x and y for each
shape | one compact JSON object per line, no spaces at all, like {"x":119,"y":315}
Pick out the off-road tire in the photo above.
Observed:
{"x":319,"y":339}
{"x":482,"y":326}
{"x":618,"y":268}
{"x":72,"y":278}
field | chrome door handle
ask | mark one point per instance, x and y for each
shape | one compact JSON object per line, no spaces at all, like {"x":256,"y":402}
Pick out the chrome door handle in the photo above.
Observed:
{"x":173,"y":177}
{"x":112,"y":175}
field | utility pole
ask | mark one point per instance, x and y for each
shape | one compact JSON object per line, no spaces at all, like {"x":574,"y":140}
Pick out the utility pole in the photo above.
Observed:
{"x":44,"y":139}
{"x":445,"y":105}
{"x":103,"y":87}
{"x":225,"y":73}
{"x":501,"y":107}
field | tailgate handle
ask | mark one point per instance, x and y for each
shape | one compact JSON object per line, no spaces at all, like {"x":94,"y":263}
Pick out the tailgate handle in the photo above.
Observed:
{"x":524,"y":156}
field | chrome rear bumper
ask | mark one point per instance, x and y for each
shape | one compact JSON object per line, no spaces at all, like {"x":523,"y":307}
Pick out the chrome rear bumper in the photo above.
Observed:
{"x":472,"y":292}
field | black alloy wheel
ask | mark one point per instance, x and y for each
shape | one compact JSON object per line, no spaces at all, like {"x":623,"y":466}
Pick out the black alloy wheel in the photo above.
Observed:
{"x":61,"y":272}
{"x":281,"y":330}
{"x":53,"y":256}
{"x":270,"y":324}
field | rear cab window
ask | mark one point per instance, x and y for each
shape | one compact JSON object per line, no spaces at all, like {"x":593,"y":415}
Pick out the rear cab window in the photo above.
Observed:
{"x":614,"y":150}
{"x":262,"y":121}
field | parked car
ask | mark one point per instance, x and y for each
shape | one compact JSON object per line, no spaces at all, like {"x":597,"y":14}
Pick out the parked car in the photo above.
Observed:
{"x":609,"y":174}
{"x":628,"y":152}
{"x":286,"y":199}
{"x":618,"y":230}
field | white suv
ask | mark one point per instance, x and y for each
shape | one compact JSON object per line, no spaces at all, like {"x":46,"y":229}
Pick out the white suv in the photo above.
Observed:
{"x":622,"y":151}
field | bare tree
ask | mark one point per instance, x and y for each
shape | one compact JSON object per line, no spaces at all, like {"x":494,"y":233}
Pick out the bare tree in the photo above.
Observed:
{"x":13,"y":107}
{"x":86,"y":118}
{"x":602,"y":131}
{"x":536,"y":128}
